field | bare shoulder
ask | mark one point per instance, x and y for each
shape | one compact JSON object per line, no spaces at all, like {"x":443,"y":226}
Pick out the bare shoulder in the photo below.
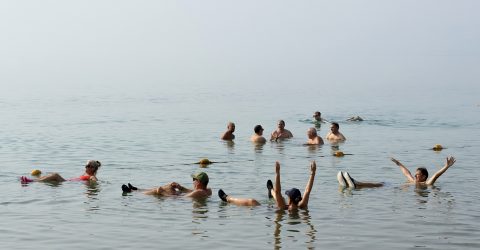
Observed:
{"x":200,"y":193}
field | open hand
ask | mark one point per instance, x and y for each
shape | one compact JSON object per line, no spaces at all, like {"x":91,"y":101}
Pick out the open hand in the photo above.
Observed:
{"x":277,"y":167}
{"x":313,"y":167}
{"x":450,"y":161}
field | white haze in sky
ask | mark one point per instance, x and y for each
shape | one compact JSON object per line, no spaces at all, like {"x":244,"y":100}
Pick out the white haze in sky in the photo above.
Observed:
{"x":126,"y":46}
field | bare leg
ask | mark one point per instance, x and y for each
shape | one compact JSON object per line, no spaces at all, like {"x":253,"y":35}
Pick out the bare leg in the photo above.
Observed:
{"x":237,"y":201}
{"x":368,"y":184}
{"x":55,"y":177}
{"x":242,"y":201}
{"x":164,"y":190}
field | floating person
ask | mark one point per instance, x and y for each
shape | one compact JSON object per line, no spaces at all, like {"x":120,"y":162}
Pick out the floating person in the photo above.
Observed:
{"x":334,"y":135}
{"x":421,"y":174}
{"x":345,"y":180}
{"x":355,"y":119}
{"x":228,"y":135}
{"x":295,"y":199}
{"x":91,"y":169}
{"x":317,"y":117}
{"x":257,"y":137}
{"x":313,"y":138}
{"x":281,"y":132}
{"x":200,"y":189}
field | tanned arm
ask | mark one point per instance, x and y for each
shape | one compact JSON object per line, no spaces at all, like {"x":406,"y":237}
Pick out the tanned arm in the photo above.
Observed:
{"x":306,"y":195}
{"x":405,"y":170}
{"x":449,"y":162}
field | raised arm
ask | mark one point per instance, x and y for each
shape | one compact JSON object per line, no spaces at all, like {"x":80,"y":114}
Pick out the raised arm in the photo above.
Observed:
{"x":449,"y":162}
{"x":277,"y":194}
{"x":306,"y":195}
{"x":405,"y":170}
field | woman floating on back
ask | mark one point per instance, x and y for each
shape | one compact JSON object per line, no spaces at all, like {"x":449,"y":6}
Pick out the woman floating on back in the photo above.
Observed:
{"x":91,"y":169}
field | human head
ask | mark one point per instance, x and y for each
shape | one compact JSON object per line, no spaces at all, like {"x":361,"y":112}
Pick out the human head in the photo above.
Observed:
{"x":317,"y":115}
{"x":92,"y":166}
{"x":281,"y":124}
{"x":421,"y":174}
{"x":231,"y":127}
{"x":201,"y":177}
{"x":294,"y":196}
{"x":335,"y":127}
{"x":258,"y":129}
{"x":311,"y":133}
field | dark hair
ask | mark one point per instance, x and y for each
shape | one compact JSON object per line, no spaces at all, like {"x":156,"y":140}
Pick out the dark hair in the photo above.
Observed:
{"x":257,"y":128}
{"x":424,"y":171}
{"x":294,"y":195}
{"x":335,"y":124}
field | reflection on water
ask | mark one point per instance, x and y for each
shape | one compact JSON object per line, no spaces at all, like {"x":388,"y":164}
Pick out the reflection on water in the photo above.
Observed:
{"x":53,"y":184}
{"x":92,"y":190}
{"x":200,"y":209}
{"x":313,"y":148}
{"x":293,"y":224}
{"x":422,"y":191}
{"x":279,"y":146}
{"x":199,"y":215}
{"x":230,"y":146}
{"x":258,"y":148}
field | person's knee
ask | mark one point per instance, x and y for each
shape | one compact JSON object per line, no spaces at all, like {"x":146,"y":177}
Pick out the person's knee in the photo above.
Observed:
{"x":253,"y":202}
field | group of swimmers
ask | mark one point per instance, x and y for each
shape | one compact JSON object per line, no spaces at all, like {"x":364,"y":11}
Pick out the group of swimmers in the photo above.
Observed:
{"x":295,"y":199}
{"x":282,"y":133}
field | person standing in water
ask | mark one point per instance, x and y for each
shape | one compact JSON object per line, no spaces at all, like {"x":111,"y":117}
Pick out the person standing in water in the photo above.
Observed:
{"x":257,"y":137}
{"x":228,"y":135}
{"x":317,"y":117}
{"x":313,"y":138}
{"x":281,"y":132}
{"x":334,"y":135}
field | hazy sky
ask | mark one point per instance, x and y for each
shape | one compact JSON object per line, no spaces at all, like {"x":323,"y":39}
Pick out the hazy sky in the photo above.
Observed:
{"x":96,"y":45}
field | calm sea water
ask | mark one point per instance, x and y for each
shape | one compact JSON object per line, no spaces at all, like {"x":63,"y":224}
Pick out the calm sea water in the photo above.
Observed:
{"x":149,"y":138}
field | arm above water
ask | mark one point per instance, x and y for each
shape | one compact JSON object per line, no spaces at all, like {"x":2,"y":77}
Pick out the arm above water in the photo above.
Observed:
{"x":449,"y":162}
{"x":306,"y":195}
{"x":277,"y":189}
{"x":405,"y":170}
